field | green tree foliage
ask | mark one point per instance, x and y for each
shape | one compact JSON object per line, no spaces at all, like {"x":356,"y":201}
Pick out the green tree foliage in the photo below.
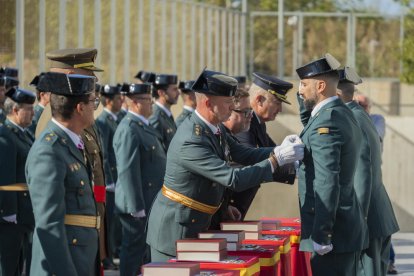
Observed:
{"x":408,"y":43}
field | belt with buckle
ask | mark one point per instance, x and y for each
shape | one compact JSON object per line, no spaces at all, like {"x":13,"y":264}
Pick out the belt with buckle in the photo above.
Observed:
{"x":17,"y":187}
{"x":83,"y":221}
{"x":189,"y":202}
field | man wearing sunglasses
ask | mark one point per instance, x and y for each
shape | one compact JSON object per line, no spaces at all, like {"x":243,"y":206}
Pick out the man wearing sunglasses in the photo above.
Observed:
{"x":267,"y":94}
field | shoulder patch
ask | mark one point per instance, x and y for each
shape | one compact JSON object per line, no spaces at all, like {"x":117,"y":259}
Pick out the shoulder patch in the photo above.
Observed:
{"x":197,"y":130}
{"x":50,"y":137}
{"x":323,"y":130}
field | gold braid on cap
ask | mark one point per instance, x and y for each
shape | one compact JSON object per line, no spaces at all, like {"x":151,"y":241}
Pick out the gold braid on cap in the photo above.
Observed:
{"x":82,"y":65}
{"x":283,"y":97}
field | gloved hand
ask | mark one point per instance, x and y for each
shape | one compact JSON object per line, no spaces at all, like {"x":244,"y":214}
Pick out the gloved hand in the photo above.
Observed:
{"x":289,"y":152}
{"x":291,"y":139}
{"x":139,"y":214}
{"x":322,"y":249}
{"x":11,"y":218}
{"x":234,"y":213}
{"x":110,"y":187}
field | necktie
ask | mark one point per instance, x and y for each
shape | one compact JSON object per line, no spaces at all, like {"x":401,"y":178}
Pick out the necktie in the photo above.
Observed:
{"x":80,"y":144}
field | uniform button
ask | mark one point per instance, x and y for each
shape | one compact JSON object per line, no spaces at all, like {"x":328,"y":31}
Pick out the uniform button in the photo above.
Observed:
{"x":214,"y":185}
{"x":153,"y":147}
{"x":24,"y":194}
{"x":329,"y":235}
{"x":286,"y":182}
{"x":150,"y":184}
{"x":74,"y":241}
{"x":193,"y":220}
{"x":313,"y":209}
{"x":232,"y":200}
{"x":95,"y":151}
{"x":82,"y":183}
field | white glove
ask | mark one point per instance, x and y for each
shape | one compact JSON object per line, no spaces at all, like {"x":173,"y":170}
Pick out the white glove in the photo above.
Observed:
{"x":234,"y":213}
{"x":11,"y":218}
{"x":110,"y":187}
{"x":322,"y":249}
{"x":139,"y":214}
{"x":291,"y":139}
{"x":288,"y":153}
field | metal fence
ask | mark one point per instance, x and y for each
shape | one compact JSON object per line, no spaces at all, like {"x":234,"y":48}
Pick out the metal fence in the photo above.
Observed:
{"x":184,"y":36}
{"x":369,"y":42}
{"x":130,"y":35}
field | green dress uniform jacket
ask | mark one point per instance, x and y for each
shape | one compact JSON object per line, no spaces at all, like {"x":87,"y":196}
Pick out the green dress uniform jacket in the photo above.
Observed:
{"x":377,"y":205}
{"x":180,"y":119}
{"x":140,"y":159}
{"x":197,"y":167}
{"x":121,"y":114}
{"x":330,"y":212}
{"x":38,"y":110}
{"x":373,"y":197}
{"x":60,"y":183}
{"x":107,"y":127}
{"x":164,"y":124}
{"x":14,"y":147}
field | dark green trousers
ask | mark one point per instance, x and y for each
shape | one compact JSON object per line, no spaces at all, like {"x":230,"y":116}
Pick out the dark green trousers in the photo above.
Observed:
{"x":157,"y":256}
{"x":15,"y":241}
{"x":375,"y":259}
{"x":335,"y":264}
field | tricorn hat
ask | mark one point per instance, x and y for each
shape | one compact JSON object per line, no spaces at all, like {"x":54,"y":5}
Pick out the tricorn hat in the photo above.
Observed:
{"x":320,"y":66}
{"x":349,"y":75}
{"x":67,"y":84}
{"x":21,"y":95}
{"x":145,"y":76}
{"x":139,"y":88}
{"x":185,"y":86}
{"x":215,"y":83}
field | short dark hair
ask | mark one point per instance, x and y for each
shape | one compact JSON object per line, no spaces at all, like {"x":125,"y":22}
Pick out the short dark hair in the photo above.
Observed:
{"x":104,"y":97}
{"x":240,"y":93}
{"x":63,"y":107}
{"x":347,"y":88}
{"x":155,"y":89}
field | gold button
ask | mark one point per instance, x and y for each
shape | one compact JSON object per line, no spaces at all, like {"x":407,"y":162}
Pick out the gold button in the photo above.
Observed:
{"x":95,"y":151}
{"x":193,"y":220}
{"x":24,"y":194}
{"x":82,"y":183}
{"x":232,"y":200}
{"x":150,"y":184}
{"x":74,"y":241}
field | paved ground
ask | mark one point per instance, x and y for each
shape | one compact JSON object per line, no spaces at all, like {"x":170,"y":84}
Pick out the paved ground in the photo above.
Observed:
{"x":403,"y":246}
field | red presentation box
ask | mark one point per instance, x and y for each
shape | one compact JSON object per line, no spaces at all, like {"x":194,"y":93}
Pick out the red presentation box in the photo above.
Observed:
{"x":282,"y":243}
{"x":246,"y":265}
{"x":215,"y":272}
{"x":300,"y":261}
{"x":269,"y":257}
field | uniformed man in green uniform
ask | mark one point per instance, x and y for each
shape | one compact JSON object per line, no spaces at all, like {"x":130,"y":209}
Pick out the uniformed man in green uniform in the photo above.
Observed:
{"x":43,"y":99}
{"x":333,"y":226}
{"x":140,"y":158}
{"x":189,"y":101}
{"x":165,"y":91}
{"x":60,"y":179}
{"x":81,"y":61}
{"x":198,"y":170}
{"x":107,"y":123}
{"x":267,"y":94}
{"x":16,"y":214}
{"x":8,"y":79}
{"x":369,"y":188}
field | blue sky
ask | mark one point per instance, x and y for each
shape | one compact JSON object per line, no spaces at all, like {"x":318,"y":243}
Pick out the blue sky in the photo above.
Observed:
{"x":389,"y":7}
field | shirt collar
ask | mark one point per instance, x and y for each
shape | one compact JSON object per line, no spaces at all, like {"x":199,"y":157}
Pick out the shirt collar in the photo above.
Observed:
{"x":212,"y":127}
{"x":164,"y":108}
{"x":189,"y":108}
{"x":41,"y":105}
{"x":139,"y":116}
{"x":16,"y":125}
{"x":321,"y":104}
{"x":76,"y":139}
{"x":114,"y":116}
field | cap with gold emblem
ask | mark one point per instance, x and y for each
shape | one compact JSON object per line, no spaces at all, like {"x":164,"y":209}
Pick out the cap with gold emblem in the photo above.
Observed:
{"x":321,"y":66}
{"x":145,"y":76}
{"x":109,"y":90}
{"x":82,"y":58}
{"x":185,"y":86}
{"x":273,"y":85}
{"x":67,"y":85}
{"x":139,"y":88}
{"x":19,"y":95}
{"x":215,"y":84}
{"x":349,"y":75}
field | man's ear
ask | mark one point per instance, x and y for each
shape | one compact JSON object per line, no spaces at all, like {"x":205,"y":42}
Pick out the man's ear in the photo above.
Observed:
{"x":160,"y":92}
{"x":321,"y":85}
{"x":260,"y":99}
